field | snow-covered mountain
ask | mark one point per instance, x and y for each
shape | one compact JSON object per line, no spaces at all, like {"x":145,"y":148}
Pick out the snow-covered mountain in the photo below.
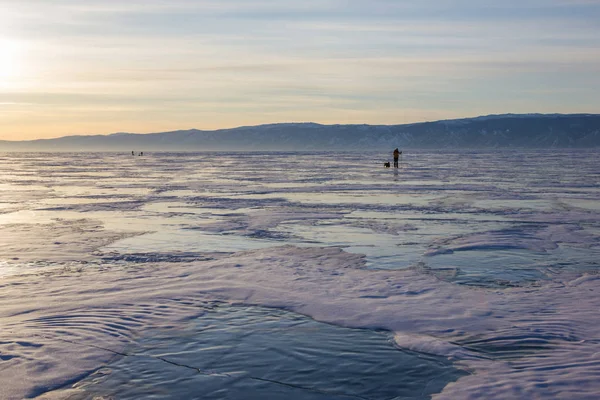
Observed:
{"x":492,"y":131}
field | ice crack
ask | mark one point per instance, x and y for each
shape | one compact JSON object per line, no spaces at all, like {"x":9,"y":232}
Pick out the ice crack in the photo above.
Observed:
{"x":207,"y":373}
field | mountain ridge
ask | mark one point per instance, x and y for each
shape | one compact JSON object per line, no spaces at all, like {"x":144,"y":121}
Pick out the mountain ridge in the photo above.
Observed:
{"x":486,"y":131}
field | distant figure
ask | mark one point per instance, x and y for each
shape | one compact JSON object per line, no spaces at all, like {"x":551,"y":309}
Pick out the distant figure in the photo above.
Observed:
{"x":386,"y":164}
{"x":141,"y":153}
{"x":132,"y":153}
{"x":396,"y":155}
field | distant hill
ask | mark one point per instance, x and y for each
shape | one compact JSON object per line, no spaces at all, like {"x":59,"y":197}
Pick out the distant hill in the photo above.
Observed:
{"x":492,"y":131}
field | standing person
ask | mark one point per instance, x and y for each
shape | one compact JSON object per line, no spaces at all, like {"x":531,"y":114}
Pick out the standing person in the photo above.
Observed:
{"x":396,"y":155}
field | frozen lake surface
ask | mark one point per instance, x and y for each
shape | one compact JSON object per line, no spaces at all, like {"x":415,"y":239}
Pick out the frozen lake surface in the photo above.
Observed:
{"x":300,"y":275}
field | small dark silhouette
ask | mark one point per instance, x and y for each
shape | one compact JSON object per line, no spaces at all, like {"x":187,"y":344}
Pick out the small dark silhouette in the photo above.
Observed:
{"x":132,"y":153}
{"x":396,"y":155}
{"x":386,"y":164}
{"x":141,"y":153}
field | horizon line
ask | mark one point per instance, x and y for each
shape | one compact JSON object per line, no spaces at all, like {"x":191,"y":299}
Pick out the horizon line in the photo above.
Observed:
{"x":312,"y":123}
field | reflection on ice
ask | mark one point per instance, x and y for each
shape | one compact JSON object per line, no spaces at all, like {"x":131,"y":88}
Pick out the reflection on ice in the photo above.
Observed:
{"x":93,"y":190}
{"x":588,"y":204}
{"x":25,"y":217}
{"x":382,"y":250}
{"x":492,"y":269}
{"x":66,"y":201}
{"x":174,"y":207}
{"x":516,"y":204}
{"x":186,"y":241}
{"x":187,"y":199}
{"x":359,"y":197}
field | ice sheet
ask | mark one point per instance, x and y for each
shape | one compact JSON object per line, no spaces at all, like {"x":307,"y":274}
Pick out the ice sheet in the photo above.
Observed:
{"x":487,"y":259}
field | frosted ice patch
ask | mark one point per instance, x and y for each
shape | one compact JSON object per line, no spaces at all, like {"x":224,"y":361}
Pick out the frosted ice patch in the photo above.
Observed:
{"x":54,"y":242}
{"x":522,"y":237}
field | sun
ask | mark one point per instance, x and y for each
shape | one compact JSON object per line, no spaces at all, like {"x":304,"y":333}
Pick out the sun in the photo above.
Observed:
{"x":9,"y":57}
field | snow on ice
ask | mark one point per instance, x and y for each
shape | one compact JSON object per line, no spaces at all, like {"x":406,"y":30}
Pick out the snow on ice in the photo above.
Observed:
{"x":489,"y":261}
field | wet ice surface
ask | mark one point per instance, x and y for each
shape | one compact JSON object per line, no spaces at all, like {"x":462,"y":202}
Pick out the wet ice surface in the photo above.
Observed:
{"x":254,"y":353}
{"x":488,"y":259}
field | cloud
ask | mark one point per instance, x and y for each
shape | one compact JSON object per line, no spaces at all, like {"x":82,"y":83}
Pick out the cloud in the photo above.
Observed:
{"x":329,"y":59}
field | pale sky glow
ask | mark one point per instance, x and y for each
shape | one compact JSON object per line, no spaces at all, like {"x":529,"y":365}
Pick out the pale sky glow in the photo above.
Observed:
{"x":88,"y":67}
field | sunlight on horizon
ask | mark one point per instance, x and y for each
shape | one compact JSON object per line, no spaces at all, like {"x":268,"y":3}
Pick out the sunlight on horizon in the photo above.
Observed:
{"x":9,"y":61}
{"x":69,"y":67}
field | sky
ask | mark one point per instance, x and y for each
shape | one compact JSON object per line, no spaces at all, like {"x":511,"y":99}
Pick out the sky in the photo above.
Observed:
{"x":96,"y":67}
